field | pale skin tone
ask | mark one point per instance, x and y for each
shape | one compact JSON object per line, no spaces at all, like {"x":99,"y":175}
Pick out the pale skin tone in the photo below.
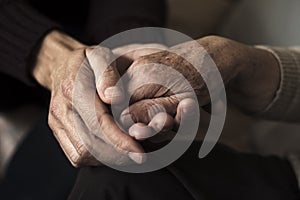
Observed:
{"x":57,"y":64}
{"x":251,"y":77}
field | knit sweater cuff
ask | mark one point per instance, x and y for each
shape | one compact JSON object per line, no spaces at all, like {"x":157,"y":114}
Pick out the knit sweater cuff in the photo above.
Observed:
{"x":286,"y":104}
{"x":21,"y":31}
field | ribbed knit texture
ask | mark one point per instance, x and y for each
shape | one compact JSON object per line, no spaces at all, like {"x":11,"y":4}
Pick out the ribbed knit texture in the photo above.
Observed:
{"x":286,"y":104}
{"x":21,"y":30}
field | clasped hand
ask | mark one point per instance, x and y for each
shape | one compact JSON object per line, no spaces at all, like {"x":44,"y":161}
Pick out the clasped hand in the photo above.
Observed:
{"x":82,"y":106}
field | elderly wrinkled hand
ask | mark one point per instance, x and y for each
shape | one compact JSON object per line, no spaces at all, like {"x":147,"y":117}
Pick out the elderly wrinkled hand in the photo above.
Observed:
{"x":58,"y":62}
{"x":163,"y":87}
{"x":156,"y":107}
{"x":251,"y":77}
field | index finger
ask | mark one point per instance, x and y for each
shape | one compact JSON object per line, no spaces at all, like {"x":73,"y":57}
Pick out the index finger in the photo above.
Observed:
{"x":102,"y":62}
{"x":97,"y":118}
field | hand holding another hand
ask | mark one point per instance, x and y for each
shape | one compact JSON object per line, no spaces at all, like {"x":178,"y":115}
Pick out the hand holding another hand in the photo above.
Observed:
{"x":159,"y":98}
{"x":58,"y":63}
{"x":251,"y":77}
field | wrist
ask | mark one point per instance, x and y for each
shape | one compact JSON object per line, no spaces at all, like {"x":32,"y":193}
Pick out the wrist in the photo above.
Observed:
{"x":54,"y":50}
{"x":251,"y":75}
{"x":270,"y":75}
{"x":258,"y":79}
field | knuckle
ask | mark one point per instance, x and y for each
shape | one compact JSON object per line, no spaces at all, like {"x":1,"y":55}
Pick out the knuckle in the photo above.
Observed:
{"x":141,"y":111}
{"x":75,"y":159}
{"x":82,"y":150}
{"x":109,"y":71}
{"x":134,"y":114}
{"x":67,"y":87}
{"x":109,"y":77}
{"x":83,"y":158}
{"x":141,"y":61}
{"x":54,"y":110}
{"x":215,"y":42}
{"x":211,"y":37}
{"x":103,"y":50}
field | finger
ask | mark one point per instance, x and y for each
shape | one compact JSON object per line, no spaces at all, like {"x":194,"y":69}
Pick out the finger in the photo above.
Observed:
{"x":101,"y":123}
{"x":60,"y":112}
{"x":82,"y":157}
{"x":112,"y":134}
{"x":77,"y":140}
{"x":106,"y":74}
{"x":57,"y":112}
{"x":186,"y":110}
{"x":143,"y":111}
{"x":140,"y":131}
{"x":162,"y":122}
{"x":105,"y":153}
{"x":76,"y":159}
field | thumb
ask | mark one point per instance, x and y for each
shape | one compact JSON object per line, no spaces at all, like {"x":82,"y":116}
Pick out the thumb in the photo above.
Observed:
{"x":102,"y":62}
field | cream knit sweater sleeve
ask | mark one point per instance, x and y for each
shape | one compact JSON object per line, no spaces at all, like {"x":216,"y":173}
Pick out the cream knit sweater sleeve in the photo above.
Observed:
{"x":286,"y":103}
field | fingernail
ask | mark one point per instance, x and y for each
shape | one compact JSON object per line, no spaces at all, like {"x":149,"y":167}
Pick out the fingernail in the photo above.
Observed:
{"x":137,"y":157}
{"x":112,"y":92}
{"x":126,"y":119}
{"x":140,"y":131}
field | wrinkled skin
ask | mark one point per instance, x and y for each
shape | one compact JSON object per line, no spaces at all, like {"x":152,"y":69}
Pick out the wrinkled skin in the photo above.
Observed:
{"x":68,"y":118}
{"x":113,"y":142}
{"x":152,"y":100}
{"x":250,"y":75}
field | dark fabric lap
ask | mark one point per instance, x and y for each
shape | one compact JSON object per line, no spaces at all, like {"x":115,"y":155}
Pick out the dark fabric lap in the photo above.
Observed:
{"x":223,"y":174}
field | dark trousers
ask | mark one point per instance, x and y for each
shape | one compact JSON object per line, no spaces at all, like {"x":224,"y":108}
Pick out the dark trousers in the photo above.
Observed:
{"x":224,"y":174}
{"x":40,"y":170}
